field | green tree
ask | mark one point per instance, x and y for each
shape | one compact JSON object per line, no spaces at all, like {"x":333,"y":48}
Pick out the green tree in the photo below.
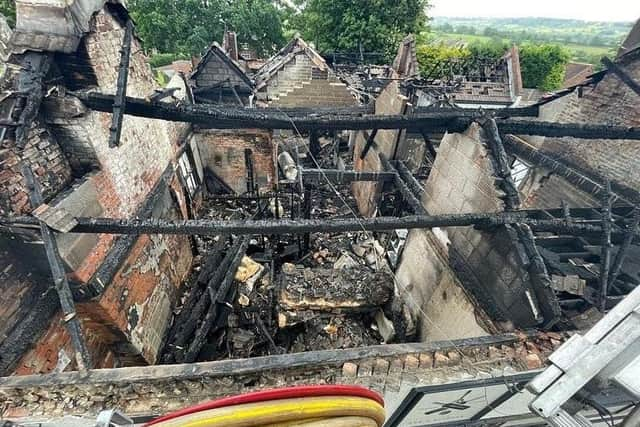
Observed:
{"x":8,"y":9}
{"x":187,"y":27}
{"x":367,"y":25}
{"x":543,"y":65}
{"x":430,"y":56}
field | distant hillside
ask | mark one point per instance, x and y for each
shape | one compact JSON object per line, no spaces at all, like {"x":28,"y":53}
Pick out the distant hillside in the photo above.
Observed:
{"x":588,"y":41}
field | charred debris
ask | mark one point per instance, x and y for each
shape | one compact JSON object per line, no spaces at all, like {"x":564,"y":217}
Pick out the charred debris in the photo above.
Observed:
{"x":296,"y":240}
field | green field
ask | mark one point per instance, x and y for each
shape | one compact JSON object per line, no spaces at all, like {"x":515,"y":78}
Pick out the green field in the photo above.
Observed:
{"x":580,"y":53}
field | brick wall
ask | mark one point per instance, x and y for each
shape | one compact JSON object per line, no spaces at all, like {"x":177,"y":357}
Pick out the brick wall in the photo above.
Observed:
{"x":223,"y":152}
{"x":217,"y":71}
{"x":317,"y":93}
{"x":136,"y":306}
{"x":302,"y":84}
{"x":488,"y":263}
{"x":610,"y":102}
{"x":43,"y":155}
{"x":390,"y":101}
{"x":433,"y":293}
{"x":160,"y":389}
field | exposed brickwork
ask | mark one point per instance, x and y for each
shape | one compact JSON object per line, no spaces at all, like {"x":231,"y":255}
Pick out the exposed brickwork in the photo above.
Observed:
{"x":610,"y":102}
{"x":135,"y":392}
{"x":132,"y":314}
{"x":223,"y":153}
{"x":317,"y":93}
{"x":214,"y":71}
{"x":300,"y":83}
{"x":390,"y":101}
{"x":44,"y":156}
{"x":488,"y":263}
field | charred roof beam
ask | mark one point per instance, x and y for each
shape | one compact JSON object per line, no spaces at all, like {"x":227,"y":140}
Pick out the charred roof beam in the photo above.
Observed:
{"x":622,"y":74}
{"x":119,"y":101}
{"x":286,"y":226}
{"x":451,"y":121}
{"x":69,"y":318}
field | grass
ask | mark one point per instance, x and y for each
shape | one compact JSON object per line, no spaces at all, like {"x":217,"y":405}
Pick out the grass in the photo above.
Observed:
{"x":578,"y":50}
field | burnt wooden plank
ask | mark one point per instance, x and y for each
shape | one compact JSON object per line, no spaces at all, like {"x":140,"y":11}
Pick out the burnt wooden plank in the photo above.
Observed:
{"x":212,"y":116}
{"x":623,"y":252}
{"x":605,"y":257}
{"x":367,"y":146}
{"x":119,"y":101}
{"x":70,"y":319}
{"x":208,"y":227}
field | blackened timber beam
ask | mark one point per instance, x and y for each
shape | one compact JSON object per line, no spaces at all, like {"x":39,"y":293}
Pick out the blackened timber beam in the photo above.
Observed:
{"x":407,"y":195}
{"x":206,"y":227}
{"x":367,"y":146}
{"x":533,"y":156}
{"x":336,"y":176}
{"x":501,"y":165}
{"x":119,"y":101}
{"x":539,"y":276}
{"x":225,"y":118}
{"x":430,"y":148}
{"x":621,"y":74}
{"x":69,"y":318}
{"x":232,"y":262}
{"x":623,"y":251}
{"x":530,"y":111}
{"x":605,"y":254}
{"x":409,"y":179}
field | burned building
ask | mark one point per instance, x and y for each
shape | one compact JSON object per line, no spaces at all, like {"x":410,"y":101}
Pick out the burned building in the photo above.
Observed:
{"x":297,"y":76}
{"x":145,"y":229}
{"x":219,"y":78}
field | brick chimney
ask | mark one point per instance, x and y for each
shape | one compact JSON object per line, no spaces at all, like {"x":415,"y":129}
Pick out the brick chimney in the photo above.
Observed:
{"x":230,"y":45}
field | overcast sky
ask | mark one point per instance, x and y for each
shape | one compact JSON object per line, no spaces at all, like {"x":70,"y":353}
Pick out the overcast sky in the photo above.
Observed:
{"x":588,"y":10}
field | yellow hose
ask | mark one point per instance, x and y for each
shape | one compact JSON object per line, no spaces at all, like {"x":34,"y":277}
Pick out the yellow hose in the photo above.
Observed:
{"x":282,"y":411}
{"x":330,"y":422}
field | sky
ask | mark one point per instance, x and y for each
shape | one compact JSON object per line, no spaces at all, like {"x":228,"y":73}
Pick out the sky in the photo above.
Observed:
{"x":587,"y":10}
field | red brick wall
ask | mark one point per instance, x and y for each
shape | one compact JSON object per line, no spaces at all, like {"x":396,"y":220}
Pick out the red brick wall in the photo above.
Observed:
{"x":135,"y":308}
{"x":223,"y":152}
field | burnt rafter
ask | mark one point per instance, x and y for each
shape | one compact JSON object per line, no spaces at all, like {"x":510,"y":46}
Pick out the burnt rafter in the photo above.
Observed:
{"x":502,"y":168}
{"x":301,"y":226}
{"x":622,"y":74}
{"x":623,"y":252}
{"x":605,"y":246}
{"x":70,"y":319}
{"x":448,"y":121}
{"x":533,"y":156}
{"x":367,"y":146}
{"x":336,"y":176}
{"x":119,"y":104}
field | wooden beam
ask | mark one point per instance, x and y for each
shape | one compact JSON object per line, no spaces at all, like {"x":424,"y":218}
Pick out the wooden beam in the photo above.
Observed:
{"x":502,"y":168}
{"x":409,"y":179}
{"x":336,"y":176}
{"x":539,"y":277}
{"x":207,"y":227}
{"x":622,"y":74}
{"x":623,"y":251}
{"x":119,"y":101}
{"x":523,"y":150}
{"x":231,"y":263}
{"x":69,"y":317}
{"x":255,"y":365}
{"x":370,"y":140}
{"x":227,"y":118}
{"x":605,"y":254}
